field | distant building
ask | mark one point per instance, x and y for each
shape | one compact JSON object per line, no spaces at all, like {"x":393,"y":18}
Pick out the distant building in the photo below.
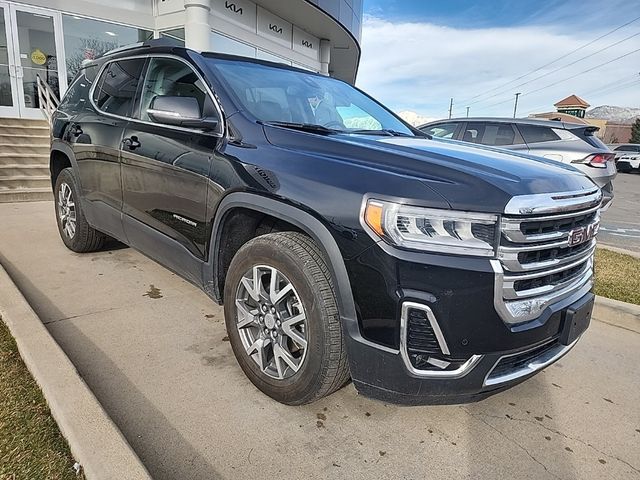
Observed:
{"x":572,"y":110}
{"x":572,"y":105}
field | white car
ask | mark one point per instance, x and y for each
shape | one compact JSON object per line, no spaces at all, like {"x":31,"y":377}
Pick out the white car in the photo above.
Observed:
{"x":627,"y":156}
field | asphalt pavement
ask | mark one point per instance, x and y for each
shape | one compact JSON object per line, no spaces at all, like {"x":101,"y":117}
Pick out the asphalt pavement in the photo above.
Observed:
{"x":154,"y":350}
{"x":620,"y":225}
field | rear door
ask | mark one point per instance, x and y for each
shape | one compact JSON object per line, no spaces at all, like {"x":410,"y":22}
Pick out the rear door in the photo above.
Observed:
{"x":95,"y":134}
{"x":165,"y":171}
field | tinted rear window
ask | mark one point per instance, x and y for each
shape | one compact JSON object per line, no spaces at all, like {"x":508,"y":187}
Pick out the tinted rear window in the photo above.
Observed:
{"x":117,"y":86}
{"x":537,"y":134}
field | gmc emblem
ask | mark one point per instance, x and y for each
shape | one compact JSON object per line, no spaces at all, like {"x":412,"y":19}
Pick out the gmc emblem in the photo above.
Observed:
{"x":583,"y":234}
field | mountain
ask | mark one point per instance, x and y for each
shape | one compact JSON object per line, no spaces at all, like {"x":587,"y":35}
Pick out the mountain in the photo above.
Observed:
{"x":414,"y":118}
{"x":614,"y":114}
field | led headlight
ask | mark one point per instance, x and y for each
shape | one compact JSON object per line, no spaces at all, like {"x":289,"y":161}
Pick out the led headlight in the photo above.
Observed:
{"x":435,"y":230}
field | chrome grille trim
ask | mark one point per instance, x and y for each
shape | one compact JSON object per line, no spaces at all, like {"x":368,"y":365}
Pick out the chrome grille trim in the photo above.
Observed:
{"x":526,"y":282}
{"x":544,"y":203}
{"x":509,"y":256}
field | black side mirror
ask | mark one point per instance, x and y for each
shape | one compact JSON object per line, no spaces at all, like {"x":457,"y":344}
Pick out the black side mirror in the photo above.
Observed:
{"x":179,"y":111}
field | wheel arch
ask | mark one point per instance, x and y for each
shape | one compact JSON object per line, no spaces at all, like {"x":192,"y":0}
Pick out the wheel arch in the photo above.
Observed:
{"x":61,"y":157}
{"x":302,"y":220}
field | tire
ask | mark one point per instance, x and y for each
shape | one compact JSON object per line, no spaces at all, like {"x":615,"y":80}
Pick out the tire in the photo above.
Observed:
{"x":322,"y":367}
{"x":82,"y":238}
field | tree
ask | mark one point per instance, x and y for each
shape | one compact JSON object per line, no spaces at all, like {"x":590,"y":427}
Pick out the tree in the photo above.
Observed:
{"x":635,"y":131}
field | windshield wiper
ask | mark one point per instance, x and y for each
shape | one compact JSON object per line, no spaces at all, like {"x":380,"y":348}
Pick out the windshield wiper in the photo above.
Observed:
{"x":307,"y":127}
{"x":384,"y":131}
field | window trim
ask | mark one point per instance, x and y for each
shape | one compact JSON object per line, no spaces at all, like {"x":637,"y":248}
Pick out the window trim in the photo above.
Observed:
{"x":147,"y":58}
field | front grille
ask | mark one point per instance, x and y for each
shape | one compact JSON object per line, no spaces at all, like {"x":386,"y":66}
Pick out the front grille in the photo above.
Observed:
{"x":537,"y":263}
{"x":420,"y":335}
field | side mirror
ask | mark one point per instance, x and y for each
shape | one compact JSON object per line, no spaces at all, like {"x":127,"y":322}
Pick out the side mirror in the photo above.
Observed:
{"x":179,"y":111}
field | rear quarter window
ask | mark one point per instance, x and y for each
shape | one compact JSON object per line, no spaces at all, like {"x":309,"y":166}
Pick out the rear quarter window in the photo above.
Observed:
{"x":78,"y":93}
{"x":537,"y":134}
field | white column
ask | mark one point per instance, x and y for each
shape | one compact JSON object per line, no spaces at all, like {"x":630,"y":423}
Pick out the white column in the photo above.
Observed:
{"x":325,"y":56}
{"x":197,"y":31}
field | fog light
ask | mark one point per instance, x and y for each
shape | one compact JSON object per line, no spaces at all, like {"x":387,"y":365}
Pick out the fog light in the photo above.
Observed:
{"x":526,"y":307}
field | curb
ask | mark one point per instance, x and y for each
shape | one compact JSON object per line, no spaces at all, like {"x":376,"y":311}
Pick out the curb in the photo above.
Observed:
{"x":615,"y":312}
{"x":95,"y":441}
{"x":604,"y":246}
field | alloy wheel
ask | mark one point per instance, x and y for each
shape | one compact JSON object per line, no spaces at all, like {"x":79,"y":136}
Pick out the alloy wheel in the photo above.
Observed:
{"x":271,"y":322}
{"x":67,"y":210}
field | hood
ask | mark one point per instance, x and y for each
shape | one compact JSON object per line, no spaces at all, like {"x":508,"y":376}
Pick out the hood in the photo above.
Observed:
{"x":469,"y":177}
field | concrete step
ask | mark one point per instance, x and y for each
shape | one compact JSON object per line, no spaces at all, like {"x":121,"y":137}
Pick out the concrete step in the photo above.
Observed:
{"x":42,"y":131}
{"x":39,"y":147}
{"x":21,"y":139}
{"x":25,"y":195}
{"x":23,"y":158}
{"x":14,"y":169}
{"x":23,"y":122}
{"x":24,"y":182}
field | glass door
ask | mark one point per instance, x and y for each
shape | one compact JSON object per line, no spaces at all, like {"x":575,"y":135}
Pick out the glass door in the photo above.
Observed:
{"x":8,"y":80}
{"x":37,"y":51}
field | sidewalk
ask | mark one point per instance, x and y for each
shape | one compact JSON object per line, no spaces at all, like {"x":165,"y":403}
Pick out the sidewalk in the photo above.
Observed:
{"x":151,"y":348}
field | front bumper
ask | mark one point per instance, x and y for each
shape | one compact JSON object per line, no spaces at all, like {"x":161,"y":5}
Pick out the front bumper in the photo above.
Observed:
{"x":385,"y":374}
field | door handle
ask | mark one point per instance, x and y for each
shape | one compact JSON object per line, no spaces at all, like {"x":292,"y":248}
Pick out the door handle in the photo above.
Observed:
{"x":131,"y":142}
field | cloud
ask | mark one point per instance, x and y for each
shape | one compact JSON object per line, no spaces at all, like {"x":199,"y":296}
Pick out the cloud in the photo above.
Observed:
{"x":419,"y":66}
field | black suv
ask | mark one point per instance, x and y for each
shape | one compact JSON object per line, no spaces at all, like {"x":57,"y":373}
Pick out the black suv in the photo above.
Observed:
{"x":343,"y":243}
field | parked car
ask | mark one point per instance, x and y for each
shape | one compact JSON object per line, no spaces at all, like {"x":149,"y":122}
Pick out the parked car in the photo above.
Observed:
{"x":561,"y":141}
{"x":627,"y":156}
{"x":424,"y":270}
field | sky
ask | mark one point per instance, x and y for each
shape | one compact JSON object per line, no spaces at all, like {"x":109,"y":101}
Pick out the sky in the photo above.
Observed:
{"x":418,"y":54}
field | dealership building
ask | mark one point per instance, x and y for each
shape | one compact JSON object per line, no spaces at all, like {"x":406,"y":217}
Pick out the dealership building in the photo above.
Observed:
{"x":51,"y":38}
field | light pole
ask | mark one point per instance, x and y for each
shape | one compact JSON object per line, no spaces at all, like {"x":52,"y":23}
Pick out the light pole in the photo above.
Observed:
{"x":450,"y":107}
{"x":515,"y":107}
{"x":468,"y":111}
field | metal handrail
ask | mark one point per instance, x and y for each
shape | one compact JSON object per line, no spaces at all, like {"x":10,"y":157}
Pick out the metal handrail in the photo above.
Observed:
{"x":47,"y":99}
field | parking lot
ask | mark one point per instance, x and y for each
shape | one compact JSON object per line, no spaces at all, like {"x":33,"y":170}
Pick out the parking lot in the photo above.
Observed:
{"x":620,"y":226}
{"x":153,"y":349}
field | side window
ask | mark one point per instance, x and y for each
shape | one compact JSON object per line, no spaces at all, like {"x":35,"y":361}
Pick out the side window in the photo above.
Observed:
{"x":473,"y":133}
{"x":441,"y":130}
{"x":537,"y":134}
{"x":497,"y":134}
{"x":77,"y":95}
{"x":171,"y":77}
{"x":117,"y":86}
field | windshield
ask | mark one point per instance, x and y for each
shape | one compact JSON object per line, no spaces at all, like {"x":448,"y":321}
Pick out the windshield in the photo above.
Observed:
{"x":284,"y":96}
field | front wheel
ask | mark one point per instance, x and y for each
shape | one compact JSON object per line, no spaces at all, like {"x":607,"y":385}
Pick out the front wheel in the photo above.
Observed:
{"x":282,"y":319}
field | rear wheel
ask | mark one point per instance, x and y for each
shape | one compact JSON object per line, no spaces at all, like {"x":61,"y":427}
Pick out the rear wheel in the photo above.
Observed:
{"x":282,"y":319}
{"x":75,"y":231}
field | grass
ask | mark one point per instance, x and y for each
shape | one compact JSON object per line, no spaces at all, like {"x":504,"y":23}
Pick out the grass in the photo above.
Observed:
{"x":31,"y":446}
{"x":617,"y":276}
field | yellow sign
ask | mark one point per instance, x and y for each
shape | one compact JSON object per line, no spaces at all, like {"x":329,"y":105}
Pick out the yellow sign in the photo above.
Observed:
{"x":38,"y":57}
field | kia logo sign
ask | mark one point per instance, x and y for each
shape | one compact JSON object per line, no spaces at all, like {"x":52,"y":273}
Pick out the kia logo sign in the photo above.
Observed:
{"x":306,"y":43}
{"x":233,"y":7}
{"x":275,"y":28}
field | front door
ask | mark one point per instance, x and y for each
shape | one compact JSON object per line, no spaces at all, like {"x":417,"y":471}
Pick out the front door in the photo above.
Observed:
{"x":33,"y":40}
{"x":8,"y":83}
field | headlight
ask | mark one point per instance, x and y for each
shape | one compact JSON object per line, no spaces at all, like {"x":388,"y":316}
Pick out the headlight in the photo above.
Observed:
{"x":434,"y":230}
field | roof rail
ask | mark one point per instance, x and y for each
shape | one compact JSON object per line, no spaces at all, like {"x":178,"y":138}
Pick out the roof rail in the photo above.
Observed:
{"x":155,"y":42}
